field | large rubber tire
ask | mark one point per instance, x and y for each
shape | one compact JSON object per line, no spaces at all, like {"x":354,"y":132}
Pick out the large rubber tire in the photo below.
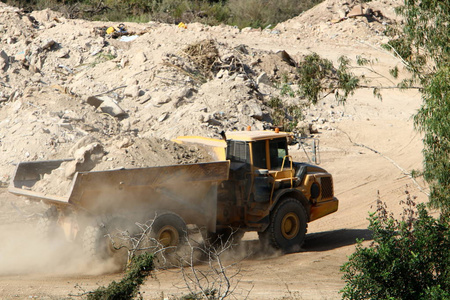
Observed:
{"x":103,"y":240}
{"x":167,"y":236}
{"x":223,"y":237}
{"x":47,"y":226}
{"x":168,"y":230}
{"x":94,"y":242}
{"x":287,"y":228}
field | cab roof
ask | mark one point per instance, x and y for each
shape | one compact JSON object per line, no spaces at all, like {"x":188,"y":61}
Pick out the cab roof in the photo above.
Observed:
{"x":257,"y":135}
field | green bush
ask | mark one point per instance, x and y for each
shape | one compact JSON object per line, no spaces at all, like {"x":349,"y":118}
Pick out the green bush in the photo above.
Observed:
{"x":128,"y":288}
{"x":408,"y":258}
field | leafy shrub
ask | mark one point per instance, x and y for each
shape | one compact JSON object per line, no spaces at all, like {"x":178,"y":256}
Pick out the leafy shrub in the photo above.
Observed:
{"x":128,"y":288}
{"x":421,"y":41}
{"x":408,"y":258}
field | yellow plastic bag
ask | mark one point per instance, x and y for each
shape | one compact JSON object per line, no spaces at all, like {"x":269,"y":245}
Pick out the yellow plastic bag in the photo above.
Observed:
{"x":182,"y":25}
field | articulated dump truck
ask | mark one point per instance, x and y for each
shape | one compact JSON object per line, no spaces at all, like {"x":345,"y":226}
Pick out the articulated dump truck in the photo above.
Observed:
{"x":253,"y":186}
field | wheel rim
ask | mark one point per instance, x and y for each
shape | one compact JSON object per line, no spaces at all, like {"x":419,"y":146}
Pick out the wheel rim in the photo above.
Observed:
{"x":168,"y":236}
{"x":290,"y":226}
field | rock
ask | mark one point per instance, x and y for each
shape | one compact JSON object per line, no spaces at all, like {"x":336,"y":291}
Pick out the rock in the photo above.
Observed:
{"x":107,"y":105}
{"x":48,"y":44}
{"x":82,"y":143}
{"x":85,"y":159}
{"x":161,"y":99}
{"x":163,"y":117}
{"x":95,"y":101}
{"x":125,"y":143}
{"x":183,"y":93}
{"x":110,"y":106}
{"x":63,"y":53}
{"x":255,"y":111}
{"x":20,"y":56}
{"x":145,"y":98}
{"x":89,"y":154}
{"x":212,"y":121}
{"x":124,"y":62}
{"x":65,"y":124}
{"x":4,"y":61}
{"x":241,"y":77}
{"x":71,"y":115}
{"x":222,"y":73}
{"x":132,"y":91}
{"x":125,"y":125}
{"x":36,"y":78}
{"x":356,"y":11}
{"x":263,"y":78}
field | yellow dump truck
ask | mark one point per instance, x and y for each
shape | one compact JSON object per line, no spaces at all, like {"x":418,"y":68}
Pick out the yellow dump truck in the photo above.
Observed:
{"x":253,"y":186}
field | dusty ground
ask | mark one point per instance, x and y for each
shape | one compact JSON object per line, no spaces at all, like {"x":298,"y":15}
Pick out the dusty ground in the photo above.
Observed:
{"x":38,"y":105}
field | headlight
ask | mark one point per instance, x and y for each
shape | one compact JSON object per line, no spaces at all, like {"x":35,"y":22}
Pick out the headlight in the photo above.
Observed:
{"x":315,"y":190}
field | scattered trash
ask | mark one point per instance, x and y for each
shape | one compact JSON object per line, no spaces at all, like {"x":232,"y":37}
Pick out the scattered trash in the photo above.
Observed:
{"x":113,"y":32}
{"x":128,"y":38}
{"x":110,"y":30}
{"x":182,"y":25}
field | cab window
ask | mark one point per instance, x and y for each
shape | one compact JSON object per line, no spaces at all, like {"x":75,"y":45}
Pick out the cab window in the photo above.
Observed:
{"x":259,"y":154}
{"x":238,"y":152}
{"x":278,"y":150}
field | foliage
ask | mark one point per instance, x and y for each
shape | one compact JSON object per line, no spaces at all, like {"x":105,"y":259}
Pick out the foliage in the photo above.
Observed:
{"x":255,"y":13}
{"x":422,"y":42}
{"x":264,"y":13}
{"x":319,"y":78}
{"x":128,"y":288}
{"x":285,"y":116}
{"x":408,"y":258}
{"x":434,"y":119}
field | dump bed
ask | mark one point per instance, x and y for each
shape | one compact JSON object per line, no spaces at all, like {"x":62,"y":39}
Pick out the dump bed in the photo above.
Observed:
{"x":189,"y":190}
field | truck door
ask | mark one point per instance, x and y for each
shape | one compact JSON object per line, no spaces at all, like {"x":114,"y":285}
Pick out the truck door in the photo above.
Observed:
{"x":261,"y":163}
{"x":278,"y":151}
{"x":238,"y":152}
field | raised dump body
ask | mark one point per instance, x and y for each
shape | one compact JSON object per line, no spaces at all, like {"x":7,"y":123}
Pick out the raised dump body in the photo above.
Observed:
{"x":187,"y":190}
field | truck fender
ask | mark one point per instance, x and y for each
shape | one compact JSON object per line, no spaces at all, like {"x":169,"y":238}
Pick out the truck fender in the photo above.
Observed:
{"x":294,"y":193}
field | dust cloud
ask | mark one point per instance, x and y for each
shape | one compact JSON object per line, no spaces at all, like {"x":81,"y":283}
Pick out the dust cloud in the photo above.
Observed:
{"x":24,"y":251}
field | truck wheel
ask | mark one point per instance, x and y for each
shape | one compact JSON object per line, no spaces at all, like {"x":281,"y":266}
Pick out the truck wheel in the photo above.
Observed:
{"x":110,"y":240}
{"x":47,"y":226}
{"x":94,"y":242}
{"x":167,"y":235}
{"x":223,"y":236}
{"x":287,"y":228}
{"x":169,"y":231}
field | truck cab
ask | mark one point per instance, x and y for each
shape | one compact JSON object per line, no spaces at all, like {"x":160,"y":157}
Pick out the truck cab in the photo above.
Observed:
{"x":266,"y":191}
{"x":264,"y":180}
